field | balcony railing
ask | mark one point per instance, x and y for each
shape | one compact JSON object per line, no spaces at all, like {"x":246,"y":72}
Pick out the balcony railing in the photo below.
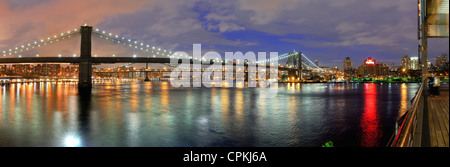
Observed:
{"x":408,"y":127}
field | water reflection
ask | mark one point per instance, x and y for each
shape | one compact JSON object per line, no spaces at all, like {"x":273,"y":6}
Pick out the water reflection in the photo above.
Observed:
{"x":156,"y":114}
{"x":71,"y":141}
{"x":370,"y":117}
{"x":404,"y":100}
{"x":80,"y":117}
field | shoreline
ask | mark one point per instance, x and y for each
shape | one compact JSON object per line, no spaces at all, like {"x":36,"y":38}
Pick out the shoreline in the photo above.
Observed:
{"x":358,"y":82}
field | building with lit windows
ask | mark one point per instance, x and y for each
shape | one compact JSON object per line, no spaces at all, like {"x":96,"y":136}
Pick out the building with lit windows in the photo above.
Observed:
{"x":367,"y":69}
{"x":371,"y":69}
{"x":441,"y":62}
{"x":406,"y":62}
{"x":349,"y":71}
{"x":415,"y":63}
{"x":3,"y":69}
{"x":348,"y":66}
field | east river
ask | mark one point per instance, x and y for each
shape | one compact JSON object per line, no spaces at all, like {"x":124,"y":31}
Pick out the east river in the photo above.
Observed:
{"x":157,"y":114}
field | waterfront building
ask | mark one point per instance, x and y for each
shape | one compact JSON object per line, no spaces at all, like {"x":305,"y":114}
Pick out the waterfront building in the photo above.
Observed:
{"x":406,"y":62}
{"x":348,"y":64}
{"x":415,"y":63}
{"x":441,"y":62}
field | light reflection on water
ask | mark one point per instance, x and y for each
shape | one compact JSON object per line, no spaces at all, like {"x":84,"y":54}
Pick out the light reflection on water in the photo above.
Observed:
{"x":156,"y":114}
{"x":370,"y":121}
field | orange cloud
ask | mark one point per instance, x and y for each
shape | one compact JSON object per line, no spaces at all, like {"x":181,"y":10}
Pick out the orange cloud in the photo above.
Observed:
{"x":20,"y":24}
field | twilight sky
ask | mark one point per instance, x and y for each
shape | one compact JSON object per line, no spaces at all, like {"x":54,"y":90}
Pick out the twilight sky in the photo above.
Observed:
{"x":326,"y":30}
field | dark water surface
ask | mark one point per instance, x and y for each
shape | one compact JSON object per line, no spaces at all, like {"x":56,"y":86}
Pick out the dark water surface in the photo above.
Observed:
{"x":156,"y":114}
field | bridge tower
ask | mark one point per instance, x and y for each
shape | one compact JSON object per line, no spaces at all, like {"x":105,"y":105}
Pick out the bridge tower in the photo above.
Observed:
{"x":85,"y":64}
{"x":300,"y":67}
{"x":296,"y":61}
{"x":146,"y":73}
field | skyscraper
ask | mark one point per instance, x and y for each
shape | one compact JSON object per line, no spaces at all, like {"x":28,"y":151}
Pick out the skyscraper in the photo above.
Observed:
{"x":406,"y":62}
{"x":348,"y":64}
{"x":415,"y":63}
{"x":441,"y":61}
{"x":370,"y":67}
{"x":444,"y":57}
{"x":382,"y":69}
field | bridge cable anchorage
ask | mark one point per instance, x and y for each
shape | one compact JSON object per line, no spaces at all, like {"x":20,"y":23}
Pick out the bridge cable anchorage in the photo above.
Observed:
{"x":39,"y":44}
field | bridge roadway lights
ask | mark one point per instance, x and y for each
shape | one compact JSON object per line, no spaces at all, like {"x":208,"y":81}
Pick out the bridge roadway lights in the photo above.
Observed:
{"x":293,"y":75}
{"x":296,"y":61}
{"x":85,"y":60}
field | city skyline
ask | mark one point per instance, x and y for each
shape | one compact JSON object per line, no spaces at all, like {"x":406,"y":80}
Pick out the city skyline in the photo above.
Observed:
{"x":198,"y":74}
{"x":281,"y":26}
{"x":412,"y":63}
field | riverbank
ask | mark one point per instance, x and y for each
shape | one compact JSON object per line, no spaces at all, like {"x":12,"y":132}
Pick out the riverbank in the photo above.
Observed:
{"x":356,"y":82}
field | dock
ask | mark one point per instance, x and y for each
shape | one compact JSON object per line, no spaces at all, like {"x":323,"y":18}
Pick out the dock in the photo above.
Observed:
{"x":425,"y":124}
{"x":438,"y":107}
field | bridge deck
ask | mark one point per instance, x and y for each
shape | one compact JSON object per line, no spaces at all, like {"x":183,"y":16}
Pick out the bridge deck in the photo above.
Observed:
{"x":438,"y":118}
{"x":106,"y":60}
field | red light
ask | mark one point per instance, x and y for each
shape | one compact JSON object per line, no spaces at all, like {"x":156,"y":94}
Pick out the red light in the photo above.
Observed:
{"x":370,"y":120}
{"x":370,"y":62}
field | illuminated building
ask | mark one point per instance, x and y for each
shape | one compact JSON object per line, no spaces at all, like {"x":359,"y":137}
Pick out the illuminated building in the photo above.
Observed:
{"x":3,"y":69}
{"x":369,"y":61}
{"x":406,"y":62}
{"x":415,"y":63}
{"x":50,"y":69}
{"x":21,"y":68}
{"x":441,"y":62}
{"x":348,"y":64}
{"x":371,"y":69}
{"x":382,"y":69}
{"x":349,"y":71}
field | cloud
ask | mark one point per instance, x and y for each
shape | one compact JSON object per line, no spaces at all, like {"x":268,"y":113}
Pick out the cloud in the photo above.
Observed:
{"x":266,"y":11}
{"x":222,"y":23}
{"x":50,"y":17}
{"x":346,"y":27}
{"x":174,"y":27}
{"x":244,"y":43}
{"x":225,"y":27}
{"x":215,"y":16}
